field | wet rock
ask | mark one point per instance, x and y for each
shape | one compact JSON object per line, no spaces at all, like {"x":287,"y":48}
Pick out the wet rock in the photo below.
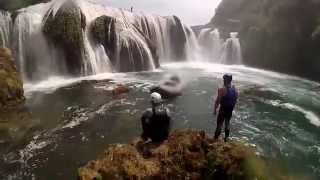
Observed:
{"x":103,"y":31}
{"x":187,"y":154}
{"x":66,"y":29}
{"x":120,"y":89}
{"x":11,"y":86}
{"x":178,"y":39}
{"x":127,"y":47}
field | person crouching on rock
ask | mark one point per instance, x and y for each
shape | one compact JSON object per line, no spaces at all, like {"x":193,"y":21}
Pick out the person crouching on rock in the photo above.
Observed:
{"x":226,"y":100}
{"x":156,"y":121}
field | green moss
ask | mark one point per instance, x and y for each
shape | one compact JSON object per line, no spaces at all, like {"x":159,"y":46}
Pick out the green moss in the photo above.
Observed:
{"x":11,"y":86}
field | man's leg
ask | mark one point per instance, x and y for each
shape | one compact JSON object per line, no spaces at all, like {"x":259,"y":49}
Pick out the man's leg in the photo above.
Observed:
{"x":227,"y":125}
{"x":220,"y":120}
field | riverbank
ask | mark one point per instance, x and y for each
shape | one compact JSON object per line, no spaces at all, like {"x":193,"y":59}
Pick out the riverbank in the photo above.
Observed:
{"x":187,"y":154}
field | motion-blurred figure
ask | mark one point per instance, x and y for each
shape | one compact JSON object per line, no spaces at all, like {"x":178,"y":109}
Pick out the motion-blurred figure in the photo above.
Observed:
{"x":226,"y":101}
{"x":170,"y":87}
{"x":156,"y":121}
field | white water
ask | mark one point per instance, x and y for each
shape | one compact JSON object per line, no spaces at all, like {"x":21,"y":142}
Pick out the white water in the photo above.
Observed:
{"x":215,"y":49}
{"x":5,"y":25}
{"x":38,"y":59}
{"x":34,"y":55}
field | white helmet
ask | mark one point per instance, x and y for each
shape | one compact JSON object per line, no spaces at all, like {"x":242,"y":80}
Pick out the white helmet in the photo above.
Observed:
{"x":156,"y":98}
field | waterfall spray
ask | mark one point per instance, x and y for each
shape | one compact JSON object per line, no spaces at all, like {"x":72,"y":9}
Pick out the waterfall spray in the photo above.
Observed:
{"x":214,"y":49}
{"x":131,"y":42}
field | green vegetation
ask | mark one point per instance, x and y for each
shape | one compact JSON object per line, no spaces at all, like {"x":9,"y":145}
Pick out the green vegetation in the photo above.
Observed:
{"x":11,"y":87}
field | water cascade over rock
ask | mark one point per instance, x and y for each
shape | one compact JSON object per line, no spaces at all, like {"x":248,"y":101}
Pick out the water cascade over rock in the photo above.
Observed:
{"x":5,"y":25}
{"x":79,"y":38}
{"x":215,"y":49}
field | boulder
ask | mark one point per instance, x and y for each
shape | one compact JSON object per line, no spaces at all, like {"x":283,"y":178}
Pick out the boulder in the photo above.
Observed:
{"x":120,"y":89}
{"x":11,"y":86}
{"x":103,"y":31}
{"x":187,"y":154}
{"x":66,"y":29}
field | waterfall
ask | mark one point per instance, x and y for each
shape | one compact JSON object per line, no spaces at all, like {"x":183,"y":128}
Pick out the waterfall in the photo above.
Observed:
{"x":35,"y":57}
{"x":211,"y":44}
{"x":214,"y":49}
{"x":231,"y":50}
{"x":112,"y":40}
{"x":5,"y":25}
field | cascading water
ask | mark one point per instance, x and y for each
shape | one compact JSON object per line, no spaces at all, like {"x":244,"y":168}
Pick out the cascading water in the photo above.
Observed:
{"x":140,"y":41}
{"x":5,"y":25}
{"x":215,"y":49}
{"x":231,"y":50}
{"x":210,"y":44}
{"x":36,"y":58}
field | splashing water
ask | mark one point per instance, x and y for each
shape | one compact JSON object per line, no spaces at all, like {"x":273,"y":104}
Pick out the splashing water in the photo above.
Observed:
{"x":214,"y":49}
{"x":143,"y":41}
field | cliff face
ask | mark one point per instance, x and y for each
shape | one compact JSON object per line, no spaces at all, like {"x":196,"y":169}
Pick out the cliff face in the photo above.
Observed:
{"x":278,"y":35}
{"x":11,"y":86}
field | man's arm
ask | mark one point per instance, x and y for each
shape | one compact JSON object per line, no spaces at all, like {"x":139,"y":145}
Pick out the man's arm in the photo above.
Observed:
{"x":217,"y":102}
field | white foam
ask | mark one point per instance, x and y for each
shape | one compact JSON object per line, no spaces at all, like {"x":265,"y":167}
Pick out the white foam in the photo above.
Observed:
{"x":311,"y":116}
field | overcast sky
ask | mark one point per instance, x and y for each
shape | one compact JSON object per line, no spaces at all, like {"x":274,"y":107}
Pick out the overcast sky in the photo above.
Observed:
{"x":192,"y":12}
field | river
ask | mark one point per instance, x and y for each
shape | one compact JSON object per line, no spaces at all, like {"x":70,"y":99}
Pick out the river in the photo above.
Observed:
{"x":72,"y":121}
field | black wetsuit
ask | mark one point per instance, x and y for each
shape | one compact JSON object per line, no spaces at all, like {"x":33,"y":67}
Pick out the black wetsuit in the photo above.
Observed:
{"x":227,"y":105}
{"x":156,"y":124}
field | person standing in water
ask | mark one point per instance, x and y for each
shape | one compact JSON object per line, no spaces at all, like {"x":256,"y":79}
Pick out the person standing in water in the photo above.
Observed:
{"x":225,"y":101}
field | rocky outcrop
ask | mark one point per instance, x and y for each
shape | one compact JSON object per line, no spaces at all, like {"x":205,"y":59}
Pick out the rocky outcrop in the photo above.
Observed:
{"x":187,"y":154}
{"x":126,"y":44}
{"x":274,"y":35}
{"x":103,"y":31}
{"x":65,"y":29}
{"x":11,"y":86}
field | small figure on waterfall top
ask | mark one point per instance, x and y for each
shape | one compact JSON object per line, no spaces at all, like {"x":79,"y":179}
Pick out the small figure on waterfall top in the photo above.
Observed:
{"x":225,"y":101}
{"x":156,"y":121}
{"x":131,"y":9}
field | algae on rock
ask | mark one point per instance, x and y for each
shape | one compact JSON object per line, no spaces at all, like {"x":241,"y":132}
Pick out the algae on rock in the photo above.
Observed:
{"x":187,"y":154}
{"x":11,"y":86}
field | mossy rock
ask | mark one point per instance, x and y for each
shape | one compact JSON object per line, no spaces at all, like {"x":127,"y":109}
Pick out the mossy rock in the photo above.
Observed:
{"x":11,"y":86}
{"x":103,"y":30}
{"x":187,"y":154}
{"x":66,"y":29}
